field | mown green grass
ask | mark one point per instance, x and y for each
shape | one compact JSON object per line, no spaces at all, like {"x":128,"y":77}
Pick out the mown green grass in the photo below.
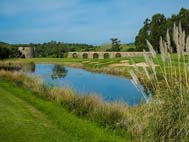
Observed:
{"x":27,"y":117}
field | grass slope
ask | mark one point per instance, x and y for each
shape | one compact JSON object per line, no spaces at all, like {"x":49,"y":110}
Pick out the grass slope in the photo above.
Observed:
{"x":26,"y":117}
{"x":124,"y":47}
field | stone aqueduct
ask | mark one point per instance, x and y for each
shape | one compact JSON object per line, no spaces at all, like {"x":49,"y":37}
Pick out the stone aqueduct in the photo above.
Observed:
{"x":102,"y":55}
{"x":28,"y":52}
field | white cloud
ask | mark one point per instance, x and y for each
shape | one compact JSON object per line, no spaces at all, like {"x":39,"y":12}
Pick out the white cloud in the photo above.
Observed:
{"x":88,"y":21}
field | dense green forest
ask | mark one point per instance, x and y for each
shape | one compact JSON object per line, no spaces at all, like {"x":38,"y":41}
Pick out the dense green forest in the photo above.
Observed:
{"x":157,"y":27}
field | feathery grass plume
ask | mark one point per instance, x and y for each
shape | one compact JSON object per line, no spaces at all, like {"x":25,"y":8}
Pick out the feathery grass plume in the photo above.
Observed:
{"x":146,"y":72}
{"x":135,"y":81}
{"x":134,"y":77}
{"x":169,"y":42}
{"x":151,"y":49}
{"x":162,"y":50}
{"x":179,"y":37}
{"x":173,"y":92}
{"x":187,"y":45}
{"x":176,"y":39}
{"x":165,"y":50}
{"x":150,"y":63}
{"x":135,"y":67}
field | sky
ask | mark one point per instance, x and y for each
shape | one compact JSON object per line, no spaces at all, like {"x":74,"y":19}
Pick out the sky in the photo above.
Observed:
{"x":79,"y":21}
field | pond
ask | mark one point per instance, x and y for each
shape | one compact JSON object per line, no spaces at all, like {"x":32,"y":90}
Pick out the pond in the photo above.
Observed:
{"x":109,"y":88}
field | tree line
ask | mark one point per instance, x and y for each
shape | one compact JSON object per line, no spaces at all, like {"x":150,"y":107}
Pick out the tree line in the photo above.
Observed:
{"x":51,"y":49}
{"x":157,"y":27}
{"x":8,"y":51}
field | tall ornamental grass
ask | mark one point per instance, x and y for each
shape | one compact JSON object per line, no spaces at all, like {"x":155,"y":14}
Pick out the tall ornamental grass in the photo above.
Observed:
{"x":169,"y":85}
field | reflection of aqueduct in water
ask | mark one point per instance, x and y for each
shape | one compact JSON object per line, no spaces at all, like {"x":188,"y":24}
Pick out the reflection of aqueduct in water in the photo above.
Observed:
{"x":102,"y":55}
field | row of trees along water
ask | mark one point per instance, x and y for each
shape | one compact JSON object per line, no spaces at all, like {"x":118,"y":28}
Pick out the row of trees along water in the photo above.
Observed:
{"x":157,"y":26}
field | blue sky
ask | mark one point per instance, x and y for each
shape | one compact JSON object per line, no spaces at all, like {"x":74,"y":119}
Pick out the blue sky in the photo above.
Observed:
{"x":79,"y":21}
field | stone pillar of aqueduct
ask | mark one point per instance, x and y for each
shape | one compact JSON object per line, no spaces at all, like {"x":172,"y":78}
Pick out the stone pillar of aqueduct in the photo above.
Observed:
{"x":102,"y":55}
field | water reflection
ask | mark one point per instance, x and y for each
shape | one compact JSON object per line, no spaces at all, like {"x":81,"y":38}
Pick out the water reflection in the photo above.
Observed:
{"x":25,"y":67}
{"x":30,"y":68}
{"x":58,"y":71}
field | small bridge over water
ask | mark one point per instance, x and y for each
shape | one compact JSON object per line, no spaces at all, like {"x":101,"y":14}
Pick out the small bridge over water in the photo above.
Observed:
{"x":102,"y":55}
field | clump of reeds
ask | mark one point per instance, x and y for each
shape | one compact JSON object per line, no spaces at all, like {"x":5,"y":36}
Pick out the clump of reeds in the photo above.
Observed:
{"x":60,"y":95}
{"x":169,"y":84}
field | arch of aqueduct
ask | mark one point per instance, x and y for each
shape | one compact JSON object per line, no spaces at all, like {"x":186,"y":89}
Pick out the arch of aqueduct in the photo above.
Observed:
{"x":102,"y":55}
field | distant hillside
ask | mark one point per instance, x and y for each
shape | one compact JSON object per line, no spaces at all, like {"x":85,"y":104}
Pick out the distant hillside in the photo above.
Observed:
{"x":125,"y":47}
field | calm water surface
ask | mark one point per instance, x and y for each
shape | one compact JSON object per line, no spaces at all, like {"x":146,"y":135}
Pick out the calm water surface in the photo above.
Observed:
{"x":108,"y":87}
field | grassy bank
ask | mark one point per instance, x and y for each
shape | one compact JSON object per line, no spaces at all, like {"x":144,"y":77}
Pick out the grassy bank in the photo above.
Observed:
{"x":24,"y":116}
{"x":113,"y":116}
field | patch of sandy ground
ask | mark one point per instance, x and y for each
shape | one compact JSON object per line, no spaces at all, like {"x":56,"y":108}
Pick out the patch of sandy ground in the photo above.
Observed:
{"x":125,"y":63}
